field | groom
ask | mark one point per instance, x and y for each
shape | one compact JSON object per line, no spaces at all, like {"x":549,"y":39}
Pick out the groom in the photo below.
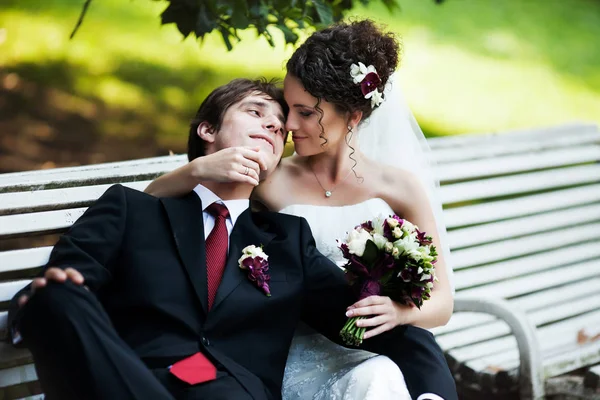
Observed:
{"x":144,"y":298}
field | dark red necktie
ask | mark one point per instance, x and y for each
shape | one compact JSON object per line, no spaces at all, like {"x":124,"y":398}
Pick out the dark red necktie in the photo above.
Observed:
{"x":216,"y":250}
{"x":197,"y":368}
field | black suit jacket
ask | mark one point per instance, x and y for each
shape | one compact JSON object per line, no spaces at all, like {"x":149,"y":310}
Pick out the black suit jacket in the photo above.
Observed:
{"x":145,"y":259}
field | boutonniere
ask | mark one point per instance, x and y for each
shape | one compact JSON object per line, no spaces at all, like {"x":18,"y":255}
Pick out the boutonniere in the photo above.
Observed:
{"x":255,"y":261}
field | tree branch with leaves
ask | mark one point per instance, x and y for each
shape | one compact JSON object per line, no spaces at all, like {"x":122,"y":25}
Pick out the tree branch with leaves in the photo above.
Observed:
{"x":228,"y":17}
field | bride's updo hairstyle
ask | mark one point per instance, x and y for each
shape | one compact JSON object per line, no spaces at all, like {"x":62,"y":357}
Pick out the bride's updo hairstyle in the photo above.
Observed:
{"x":323,"y":63}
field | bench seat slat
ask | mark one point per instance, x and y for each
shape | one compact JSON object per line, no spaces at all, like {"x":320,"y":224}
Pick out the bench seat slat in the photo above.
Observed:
{"x":557,"y":312}
{"x":3,"y":324}
{"x":16,"y":375}
{"x":519,"y":184}
{"x":550,"y":337}
{"x":496,"y":231}
{"x":517,"y":163}
{"x":490,"y":150}
{"x":52,"y":199}
{"x":460,"y":320}
{"x":512,"y":208}
{"x":506,"y":249}
{"x":570,"y":358}
{"x":13,"y":357}
{"x":525,"y":303}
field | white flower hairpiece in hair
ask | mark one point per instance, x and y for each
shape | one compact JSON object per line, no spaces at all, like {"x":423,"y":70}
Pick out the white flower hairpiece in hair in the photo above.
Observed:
{"x":369,"y":80}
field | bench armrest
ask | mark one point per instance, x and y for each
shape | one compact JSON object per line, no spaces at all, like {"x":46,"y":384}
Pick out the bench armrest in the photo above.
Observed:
{"x":531,"y":379}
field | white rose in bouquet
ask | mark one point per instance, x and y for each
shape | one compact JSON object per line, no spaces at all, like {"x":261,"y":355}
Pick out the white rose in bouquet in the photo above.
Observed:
{"x":357,"y":241}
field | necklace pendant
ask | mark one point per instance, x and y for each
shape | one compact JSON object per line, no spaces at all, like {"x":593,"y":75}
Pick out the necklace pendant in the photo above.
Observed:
{"x":327,"y":193}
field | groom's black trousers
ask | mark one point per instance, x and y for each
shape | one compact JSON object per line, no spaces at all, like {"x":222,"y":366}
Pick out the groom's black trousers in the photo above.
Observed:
{"x":79,"y":355}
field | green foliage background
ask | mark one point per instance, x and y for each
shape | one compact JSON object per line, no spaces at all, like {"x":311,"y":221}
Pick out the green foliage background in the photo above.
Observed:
{"x":468,"y":66}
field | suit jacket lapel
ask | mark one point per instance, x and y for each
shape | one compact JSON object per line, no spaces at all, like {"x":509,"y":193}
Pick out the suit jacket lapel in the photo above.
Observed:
{"x":245,"y":233}
{"x":185,"y":217}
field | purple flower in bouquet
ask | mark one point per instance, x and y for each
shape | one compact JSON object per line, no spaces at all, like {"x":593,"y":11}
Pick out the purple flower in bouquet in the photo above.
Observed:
{"x":406,"y":275}
{"x":423,"y":238}
{"x":370,"y":288}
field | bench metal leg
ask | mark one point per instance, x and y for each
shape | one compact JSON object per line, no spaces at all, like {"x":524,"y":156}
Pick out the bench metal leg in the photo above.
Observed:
{"x":531,"y":378}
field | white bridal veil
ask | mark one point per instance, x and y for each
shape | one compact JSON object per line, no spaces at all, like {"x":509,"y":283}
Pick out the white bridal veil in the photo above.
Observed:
{"x":392,"y":136}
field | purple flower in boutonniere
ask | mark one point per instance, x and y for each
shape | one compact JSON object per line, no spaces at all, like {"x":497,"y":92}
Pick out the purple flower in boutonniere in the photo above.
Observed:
{"x":254,"y":260}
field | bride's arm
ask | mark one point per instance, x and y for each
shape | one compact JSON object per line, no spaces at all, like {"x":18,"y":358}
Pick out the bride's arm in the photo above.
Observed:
{"x":409,"y":200}
{"x":227,"y":165}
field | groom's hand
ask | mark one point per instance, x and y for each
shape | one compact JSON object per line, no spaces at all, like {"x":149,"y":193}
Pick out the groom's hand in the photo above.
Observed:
{"x":52,"y":274}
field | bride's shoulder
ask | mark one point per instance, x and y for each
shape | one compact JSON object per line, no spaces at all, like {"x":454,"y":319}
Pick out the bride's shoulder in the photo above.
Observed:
{"x":394,"y":177}
{"x":398,"y":186}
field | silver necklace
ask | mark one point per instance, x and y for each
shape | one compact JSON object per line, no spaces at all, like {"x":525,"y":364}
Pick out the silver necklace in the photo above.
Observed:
{"x":329,"y":192}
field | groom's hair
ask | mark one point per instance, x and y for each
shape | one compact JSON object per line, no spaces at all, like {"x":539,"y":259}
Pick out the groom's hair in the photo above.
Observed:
{"x":213,"y":108}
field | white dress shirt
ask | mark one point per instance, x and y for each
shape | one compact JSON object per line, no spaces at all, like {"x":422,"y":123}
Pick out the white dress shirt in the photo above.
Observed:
{"x":235,"y":207}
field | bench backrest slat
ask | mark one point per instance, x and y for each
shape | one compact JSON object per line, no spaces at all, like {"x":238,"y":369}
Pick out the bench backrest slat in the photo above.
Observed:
{"x":542,"y":280}
{"x":504,"y":270}
{"x":89,"y":175}
{"x":44,"y":222}
{"x":514,"y":136}
{"x":15,"y":260}
{"x":10,"y":288}
{"x":519,"y":184}
{"x":517,"y":163}
{"x":53,"y":199}
{"x":496,"y":231}
{"x":512,"y":248}
{"x":503,"y":148}
{"x":521,"y":206}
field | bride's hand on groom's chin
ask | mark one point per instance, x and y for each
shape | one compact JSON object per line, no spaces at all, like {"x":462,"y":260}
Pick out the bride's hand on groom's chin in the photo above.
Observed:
{"x":381,"y":314}
{"x":233,"y":164}
{"x":55,"y":275}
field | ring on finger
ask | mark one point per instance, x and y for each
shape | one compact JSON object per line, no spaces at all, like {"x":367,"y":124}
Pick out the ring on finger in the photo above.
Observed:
{"x":246,"y":171}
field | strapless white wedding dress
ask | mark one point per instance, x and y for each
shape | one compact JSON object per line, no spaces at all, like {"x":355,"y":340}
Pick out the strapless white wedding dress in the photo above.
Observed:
{"x":318,"y":368}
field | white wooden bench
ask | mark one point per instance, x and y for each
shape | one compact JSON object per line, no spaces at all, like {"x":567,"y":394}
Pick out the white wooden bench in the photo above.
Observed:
{"x":523,"y":212}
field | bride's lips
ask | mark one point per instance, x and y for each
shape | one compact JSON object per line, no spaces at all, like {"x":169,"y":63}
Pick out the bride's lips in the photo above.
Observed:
{"x":298,"y":138}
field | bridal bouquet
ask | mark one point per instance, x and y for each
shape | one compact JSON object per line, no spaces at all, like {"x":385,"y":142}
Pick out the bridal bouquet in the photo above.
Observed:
{"x":387,"y":257}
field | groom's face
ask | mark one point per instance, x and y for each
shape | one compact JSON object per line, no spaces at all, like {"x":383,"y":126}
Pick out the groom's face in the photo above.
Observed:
{"x":256,"y":121}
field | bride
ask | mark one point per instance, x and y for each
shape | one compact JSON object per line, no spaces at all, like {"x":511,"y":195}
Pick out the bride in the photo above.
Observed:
{"x":348,"y":167}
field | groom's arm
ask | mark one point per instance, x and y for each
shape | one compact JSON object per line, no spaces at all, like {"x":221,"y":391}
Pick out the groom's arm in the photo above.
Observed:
{"x":327,"y":293}
{"x":89,"y":247}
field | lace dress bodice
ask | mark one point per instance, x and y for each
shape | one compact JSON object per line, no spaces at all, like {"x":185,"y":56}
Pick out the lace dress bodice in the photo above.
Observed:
{"x":329,"y":223}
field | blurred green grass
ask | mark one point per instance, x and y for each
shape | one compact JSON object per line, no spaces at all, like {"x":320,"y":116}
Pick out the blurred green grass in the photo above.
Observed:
{"x":468,"y":65}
